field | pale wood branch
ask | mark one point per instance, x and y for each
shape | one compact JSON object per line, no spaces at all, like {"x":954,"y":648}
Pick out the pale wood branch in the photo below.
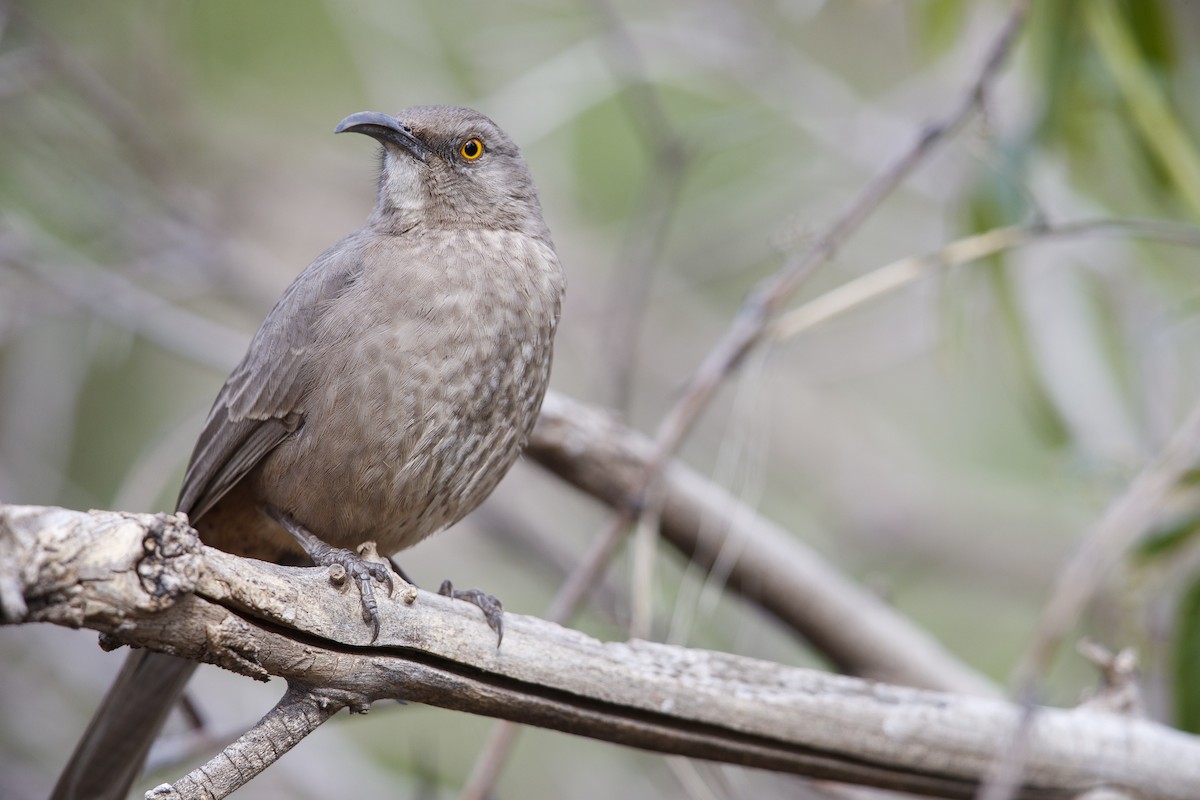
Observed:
{"x":145,"y":580}
{"x":773,"y":568}
{"x":298,"y":713}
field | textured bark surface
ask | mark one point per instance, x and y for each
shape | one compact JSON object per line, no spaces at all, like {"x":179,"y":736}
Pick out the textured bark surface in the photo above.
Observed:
{"x":145,"y":580}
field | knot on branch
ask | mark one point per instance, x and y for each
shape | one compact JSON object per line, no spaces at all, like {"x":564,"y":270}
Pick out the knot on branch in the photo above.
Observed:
{"x":1119,"y":691}
{"x":330,"y":700}
{"x":81,"y":568}
{"x":171,"y":561}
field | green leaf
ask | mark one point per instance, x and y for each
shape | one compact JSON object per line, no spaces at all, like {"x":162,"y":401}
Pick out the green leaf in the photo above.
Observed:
{"x":939,"y":22}
{"x":1167,"y":538}
{"x":1150,"y":26}
{"x":997,"y":203}
{"x":1187,"y":661}
{"x":1060,"y":58}
{"x":1152,"y":115}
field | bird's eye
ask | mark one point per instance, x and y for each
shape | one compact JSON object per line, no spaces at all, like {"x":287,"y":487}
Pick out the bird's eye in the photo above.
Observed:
{"x":471,"y":149}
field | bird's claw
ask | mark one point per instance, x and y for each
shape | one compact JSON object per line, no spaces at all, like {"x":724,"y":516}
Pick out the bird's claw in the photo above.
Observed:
{"x":359,"y":569}
{"x":362,"y":572}
{"x":381,"y":573}
{"x":490,"y":605}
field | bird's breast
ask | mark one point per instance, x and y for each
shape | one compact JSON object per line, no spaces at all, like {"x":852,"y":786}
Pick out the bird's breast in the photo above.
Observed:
{"x":440,"y":357}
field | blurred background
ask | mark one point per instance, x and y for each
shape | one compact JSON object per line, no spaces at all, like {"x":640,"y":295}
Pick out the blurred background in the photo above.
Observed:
{"x":167,"y":169}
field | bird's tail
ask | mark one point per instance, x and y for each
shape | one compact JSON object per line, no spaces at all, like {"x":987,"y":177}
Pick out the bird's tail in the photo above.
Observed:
{"x":113,"y":749}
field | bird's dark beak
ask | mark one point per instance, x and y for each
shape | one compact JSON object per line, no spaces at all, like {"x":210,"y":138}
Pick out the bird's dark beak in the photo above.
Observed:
{"x":385,"y":130}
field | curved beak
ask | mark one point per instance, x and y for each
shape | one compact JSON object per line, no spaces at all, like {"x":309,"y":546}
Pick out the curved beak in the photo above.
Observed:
{"x":385,"y":130}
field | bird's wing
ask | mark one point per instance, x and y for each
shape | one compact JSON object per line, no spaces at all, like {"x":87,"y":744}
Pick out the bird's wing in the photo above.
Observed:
{"x":261,"y":402}
{"x":255,"y":410}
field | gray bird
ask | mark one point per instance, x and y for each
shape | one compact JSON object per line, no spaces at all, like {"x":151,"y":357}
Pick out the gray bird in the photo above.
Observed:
{"x":384,"y":397}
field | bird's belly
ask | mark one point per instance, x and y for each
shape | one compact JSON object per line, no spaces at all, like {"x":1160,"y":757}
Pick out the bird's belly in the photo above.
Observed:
{"x":408,"y":446}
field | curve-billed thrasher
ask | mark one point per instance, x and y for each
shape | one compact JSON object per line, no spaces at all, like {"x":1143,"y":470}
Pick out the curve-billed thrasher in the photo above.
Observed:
{"x":383,"y":398}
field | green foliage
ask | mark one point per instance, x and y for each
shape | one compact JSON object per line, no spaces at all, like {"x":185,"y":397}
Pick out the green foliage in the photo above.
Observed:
{"x":1174,"y":529}
{"x":939,"y":23}
{"x":1133,"y":64}
{"x":1168,"y":537}
{"x":610,"y":159}
{"x":1108,"y":69}
{"x":1187,"y":661}
{"x":1149,"y":23}
{"x":997,"y":203}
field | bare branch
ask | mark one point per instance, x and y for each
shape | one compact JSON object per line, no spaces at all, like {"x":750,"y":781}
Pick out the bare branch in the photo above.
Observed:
{"x":906,"y":271}
{"x":670,"y":156}
{"x":772,"y":567}
{"x":1127,"y":518}
{"x":298,"y":713}
{"x":145,"y":580}
{"x":115,"y":298}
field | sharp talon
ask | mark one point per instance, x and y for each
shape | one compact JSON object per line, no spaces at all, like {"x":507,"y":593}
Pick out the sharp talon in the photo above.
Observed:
{"x":496,"y":623}
{"x":370,"y":609}
{"x":492,"y":608}
{"x":384,"y":576}
{"x":344,"y":565}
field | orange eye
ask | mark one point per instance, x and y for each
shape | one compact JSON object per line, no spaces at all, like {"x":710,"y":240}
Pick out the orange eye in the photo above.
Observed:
{"x":471,"y":149}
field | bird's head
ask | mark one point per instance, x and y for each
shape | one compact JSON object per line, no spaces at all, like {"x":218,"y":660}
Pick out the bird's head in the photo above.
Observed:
{"x":448,"y":166}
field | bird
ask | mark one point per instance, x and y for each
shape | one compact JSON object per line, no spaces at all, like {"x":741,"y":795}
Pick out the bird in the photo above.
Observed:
{"x":385,"y":395}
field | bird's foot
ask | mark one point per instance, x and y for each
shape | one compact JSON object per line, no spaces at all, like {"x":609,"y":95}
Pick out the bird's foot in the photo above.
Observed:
{"x":357,"y":568}
{"x":493,"y":610}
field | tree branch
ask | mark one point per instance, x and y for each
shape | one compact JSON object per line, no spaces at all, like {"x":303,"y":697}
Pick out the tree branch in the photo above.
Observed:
{"x":145,"y":580}
{"x":906,"y":271}
{"x":298,"y":713}
{"x":770,"y":566}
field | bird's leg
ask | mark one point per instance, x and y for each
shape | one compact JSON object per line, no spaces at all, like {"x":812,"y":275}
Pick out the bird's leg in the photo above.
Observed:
{"x":359,"y":569}
{"x":493,"y":610}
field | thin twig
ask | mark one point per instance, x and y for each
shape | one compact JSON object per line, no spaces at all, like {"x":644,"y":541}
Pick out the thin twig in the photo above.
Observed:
{"x":1103,"y":546}
{"x":906,"y":271}
{"x":766,"y":300}
{"x":297,"y":714}
{"x":503,"y":735}
{"x":490,"y":761}
{"x":1003,"y":780}
{"x":640,"y":253}
{"x":119,"y":300}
